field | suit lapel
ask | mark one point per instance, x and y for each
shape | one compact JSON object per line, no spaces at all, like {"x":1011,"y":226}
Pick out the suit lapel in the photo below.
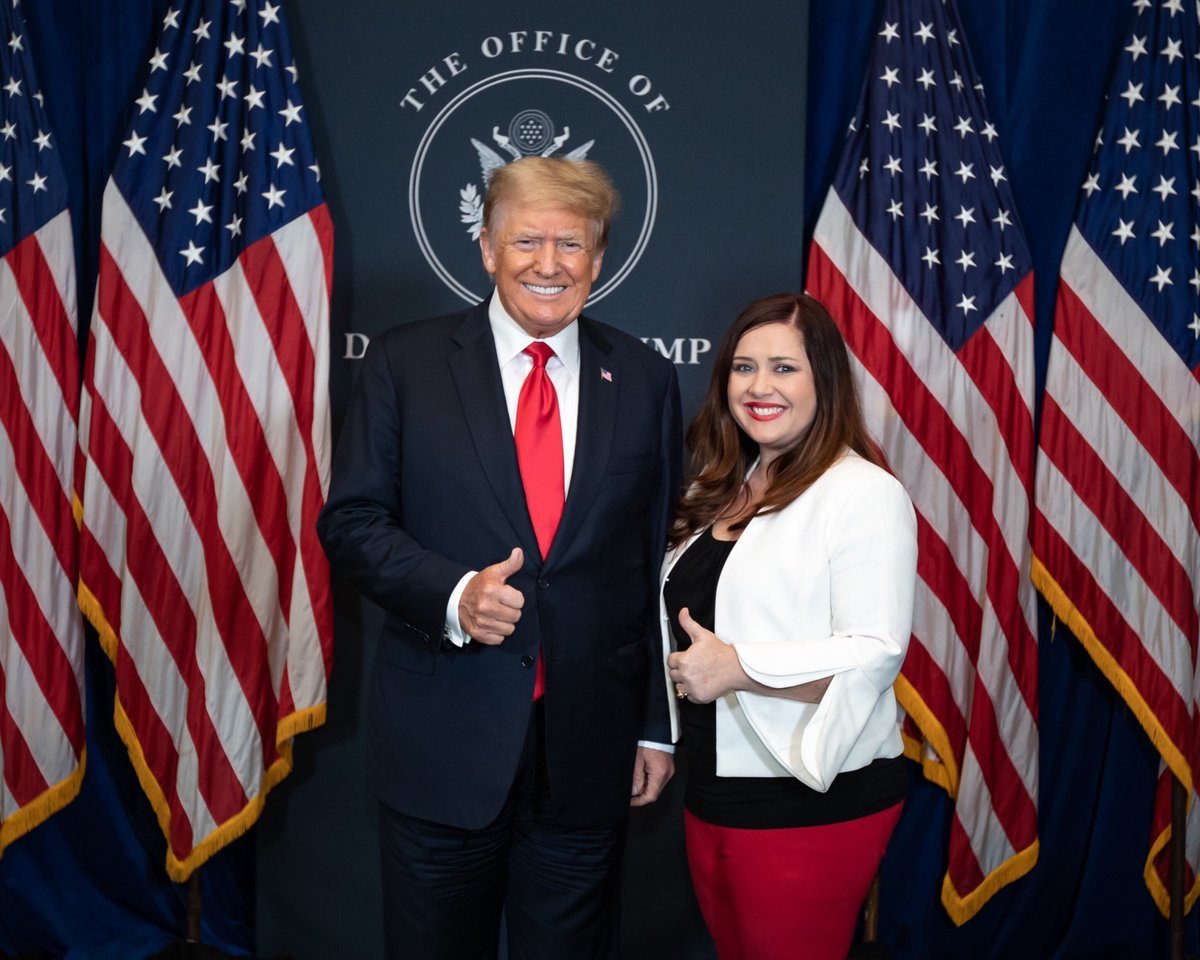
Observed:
{"x":594,"y":435}
{"x":477,"y":379}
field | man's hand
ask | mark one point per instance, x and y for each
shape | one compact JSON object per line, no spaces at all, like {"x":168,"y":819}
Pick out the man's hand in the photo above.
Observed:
{"x":707,"y":669}
{"x":489,"y":608}
{"x":651,"y":771}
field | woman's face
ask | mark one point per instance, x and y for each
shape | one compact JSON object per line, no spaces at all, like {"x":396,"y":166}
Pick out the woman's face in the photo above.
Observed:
{"x":771,"y":392}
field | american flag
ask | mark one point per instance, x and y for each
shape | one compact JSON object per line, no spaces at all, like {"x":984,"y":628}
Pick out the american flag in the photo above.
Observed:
{"x":41,"y":631}
{"x":919,"y":255}
{"x":206,"y":425}
{"x":1117,"y":522}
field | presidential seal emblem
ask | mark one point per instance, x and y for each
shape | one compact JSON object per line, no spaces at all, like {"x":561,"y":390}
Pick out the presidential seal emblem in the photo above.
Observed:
{"x":514,"y":114}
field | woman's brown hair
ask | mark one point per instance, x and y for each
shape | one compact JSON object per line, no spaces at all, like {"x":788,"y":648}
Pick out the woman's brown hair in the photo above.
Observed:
{"x":722,"y":452}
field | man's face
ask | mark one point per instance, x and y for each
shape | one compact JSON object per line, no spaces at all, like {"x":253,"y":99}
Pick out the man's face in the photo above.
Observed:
{"x":544,"y":261}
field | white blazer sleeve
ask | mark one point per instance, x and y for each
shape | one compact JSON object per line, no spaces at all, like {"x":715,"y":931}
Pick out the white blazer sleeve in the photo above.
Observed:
{"x":872,"y":555}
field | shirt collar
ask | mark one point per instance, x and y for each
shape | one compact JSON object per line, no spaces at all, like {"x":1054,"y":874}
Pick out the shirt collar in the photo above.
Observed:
{"x":512,"y":340}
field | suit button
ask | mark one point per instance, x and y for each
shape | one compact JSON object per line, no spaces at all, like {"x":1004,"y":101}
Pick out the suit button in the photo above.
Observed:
{"x":527,"y":661}
{"x":543,"y":584}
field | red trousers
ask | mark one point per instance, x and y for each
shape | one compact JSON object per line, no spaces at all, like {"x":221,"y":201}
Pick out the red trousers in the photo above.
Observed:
{"x":787,"y":893}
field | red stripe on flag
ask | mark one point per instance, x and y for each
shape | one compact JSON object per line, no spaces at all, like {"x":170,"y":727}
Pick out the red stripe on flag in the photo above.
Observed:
{"x":166,"y":415}
{"x":1015,"y":809}
{"x":1103,"y":494}
{"x":39,"y":645}
{"x":1128,"y":393}
{"x":157,"y":747}
{"x":936,"y":567}
{"x":284,"y":322}
{"x":21,"y":774}
{"x":244,"y":432}
{"x":962,"y":866}
{"x":989,"y":368}
{"x":54,"y":329}
{"x":168,"y":606}
{"x":98,"y":577}
{"x":1025,"y":297}
{"x":323,"y":225}
{"x":1125,"y":646}
{"x":35,"y":470}
{"x":930,"y":681}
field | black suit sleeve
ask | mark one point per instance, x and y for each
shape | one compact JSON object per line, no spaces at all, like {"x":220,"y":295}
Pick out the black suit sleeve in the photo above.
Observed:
{"x":362,"y":523}
{"x":657,"y":726}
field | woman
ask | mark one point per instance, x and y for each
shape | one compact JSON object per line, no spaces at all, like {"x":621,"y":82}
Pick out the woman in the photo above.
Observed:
{"x":788,"y":596}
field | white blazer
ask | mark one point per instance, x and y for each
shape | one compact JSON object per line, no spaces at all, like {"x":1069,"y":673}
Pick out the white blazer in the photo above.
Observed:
{"x":822,"y":588}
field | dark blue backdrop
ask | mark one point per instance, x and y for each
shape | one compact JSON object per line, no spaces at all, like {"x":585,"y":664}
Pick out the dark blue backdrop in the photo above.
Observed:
{"x":89,"y":883}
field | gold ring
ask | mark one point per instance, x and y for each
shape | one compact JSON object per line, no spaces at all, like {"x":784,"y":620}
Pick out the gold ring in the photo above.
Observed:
{"x":679,"y":692}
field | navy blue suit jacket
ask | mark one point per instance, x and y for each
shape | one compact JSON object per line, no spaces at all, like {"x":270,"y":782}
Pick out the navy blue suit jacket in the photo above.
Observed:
{"x":425,"y":488}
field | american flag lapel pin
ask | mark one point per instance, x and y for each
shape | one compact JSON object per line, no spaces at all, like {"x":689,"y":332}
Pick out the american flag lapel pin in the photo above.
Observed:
{"x":606,"y":375}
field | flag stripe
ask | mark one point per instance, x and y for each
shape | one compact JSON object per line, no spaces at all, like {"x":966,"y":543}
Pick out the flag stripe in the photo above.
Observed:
{"x":236,"y":622}
{"x":22,"y":781}
{"x":1170,"y":711}
{"x":34,"y":470}
{"x":1157,"y":430}
{"x":928,"y":680}
{"x":323,"y":227}
{"x":165,"y":621}
{"x":22,"y":775}
{"x":1155,"y":565}
{"x":280,"y":266}
{"x":990,"y":363}
{"x":964,"y":873}
{"x":1163,"y":512}
{"x":305,"y":301}
{"x":38,"y":594}
{"x":43,"y":296}
{"x":285,"y":325}
{"x":244,"y":431}
{"x":954,"y":593}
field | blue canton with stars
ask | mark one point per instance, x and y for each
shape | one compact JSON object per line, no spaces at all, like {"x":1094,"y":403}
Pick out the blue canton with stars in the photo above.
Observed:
{"x":1140,"y":197}
{"x":923,"y":176}
{"x":219,"y":153}
{"x":33,"y":188}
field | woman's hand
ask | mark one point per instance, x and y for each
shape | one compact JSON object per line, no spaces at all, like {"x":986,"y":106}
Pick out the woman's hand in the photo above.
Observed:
{"x":708,"y":669}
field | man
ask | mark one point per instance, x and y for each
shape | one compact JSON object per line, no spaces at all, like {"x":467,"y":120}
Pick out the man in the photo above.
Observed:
{"x":508,"y":507}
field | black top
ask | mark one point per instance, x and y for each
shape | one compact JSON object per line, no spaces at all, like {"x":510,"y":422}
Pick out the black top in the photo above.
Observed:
{"x":757,"y":802}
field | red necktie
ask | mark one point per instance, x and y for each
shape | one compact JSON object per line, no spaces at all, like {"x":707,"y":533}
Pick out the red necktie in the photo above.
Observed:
{"x":538,"y":435}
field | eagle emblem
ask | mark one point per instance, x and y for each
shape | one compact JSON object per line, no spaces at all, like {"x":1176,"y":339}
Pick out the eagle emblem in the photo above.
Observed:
{"x":530,"y":133}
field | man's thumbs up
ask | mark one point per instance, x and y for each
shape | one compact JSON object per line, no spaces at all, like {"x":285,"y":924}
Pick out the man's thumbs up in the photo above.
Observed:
{"x":489,"y":608}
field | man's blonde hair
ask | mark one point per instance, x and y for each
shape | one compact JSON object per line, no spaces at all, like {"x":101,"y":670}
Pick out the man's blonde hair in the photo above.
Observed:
{"x":580,"y":186}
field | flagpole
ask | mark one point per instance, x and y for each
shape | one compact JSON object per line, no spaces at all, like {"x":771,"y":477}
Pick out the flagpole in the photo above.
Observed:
{"x":194,"y":902}
{"x":1177,"y":877}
